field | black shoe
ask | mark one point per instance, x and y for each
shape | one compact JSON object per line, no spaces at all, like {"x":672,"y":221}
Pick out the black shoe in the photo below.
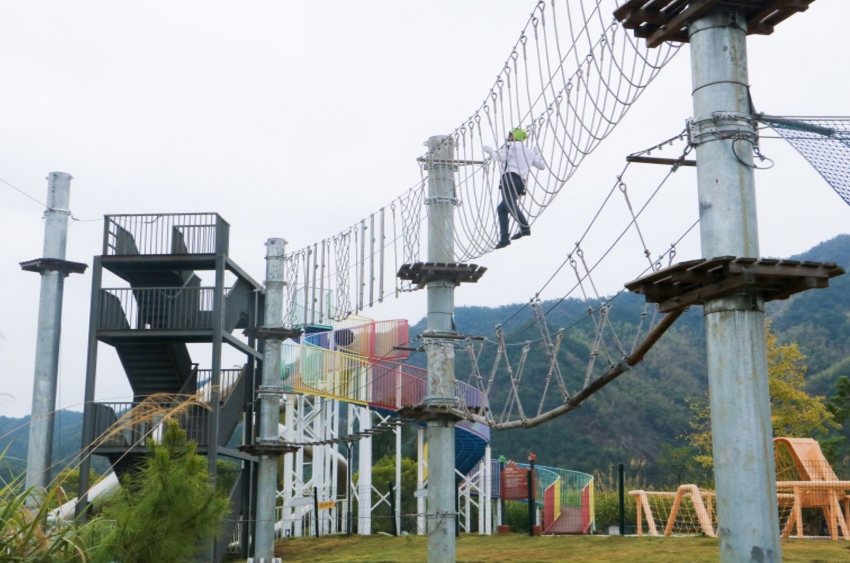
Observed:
{"x":525,"y":233}
{"x":502,"y":244}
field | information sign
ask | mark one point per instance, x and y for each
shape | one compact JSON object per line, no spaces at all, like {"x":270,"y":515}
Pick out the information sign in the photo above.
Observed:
{"x":514,"y":482}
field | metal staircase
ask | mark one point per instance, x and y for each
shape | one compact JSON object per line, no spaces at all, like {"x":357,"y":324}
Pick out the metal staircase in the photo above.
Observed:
{"x":163,"y":306}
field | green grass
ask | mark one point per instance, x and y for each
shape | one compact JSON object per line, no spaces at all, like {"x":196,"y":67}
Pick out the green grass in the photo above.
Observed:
{"x":516,"y":548}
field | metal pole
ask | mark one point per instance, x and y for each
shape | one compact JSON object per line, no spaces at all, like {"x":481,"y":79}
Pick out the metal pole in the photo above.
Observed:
{"x":270,"y":402}
{"x":364,"y":474}
{"x":89,"y":393}
{"x":398,"y":460}
{"x":349,"y":497}
{"x":316,"y":510}
{"x":457,"y":510}
{"x":420,"y":481}
{"x":737,"y":365}
{"x":488,"y":492}
{"x":502,"y":461}
{"x":40,"y":453}
{"x":393,"y":504}
{"x":441,"y":513}
{"x":532,"y":504}
{"x":622,"y":495}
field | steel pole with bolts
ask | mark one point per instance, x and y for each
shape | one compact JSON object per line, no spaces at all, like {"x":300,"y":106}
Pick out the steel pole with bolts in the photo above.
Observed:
{"x":269,"y":402}
{"x":724,"y":134}
{"x":40,"y":452}
{"x":440,"y":430}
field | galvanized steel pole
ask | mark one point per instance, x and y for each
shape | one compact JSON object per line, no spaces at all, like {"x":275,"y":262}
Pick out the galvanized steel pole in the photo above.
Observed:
{"x":440,"y":431}
{"x":724,"y":133}
{"x":40,"y":453}
{"x":269,"y":402}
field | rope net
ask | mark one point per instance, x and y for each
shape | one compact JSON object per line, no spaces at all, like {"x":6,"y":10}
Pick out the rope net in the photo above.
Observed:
{"x":688,"y":511}
{"x":530,"y":368}
{"x":568,"y":80}
{"x":823,"y":142}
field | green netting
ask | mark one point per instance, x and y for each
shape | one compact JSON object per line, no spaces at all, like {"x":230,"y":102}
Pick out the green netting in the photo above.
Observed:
{"x":824,"y":142}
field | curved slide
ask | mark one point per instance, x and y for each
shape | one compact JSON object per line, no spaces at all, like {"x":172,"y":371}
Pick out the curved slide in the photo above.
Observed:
{"x":363,"y":365}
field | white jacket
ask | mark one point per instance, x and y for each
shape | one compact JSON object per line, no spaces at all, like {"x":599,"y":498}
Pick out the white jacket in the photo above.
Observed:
{"x":516,"y":157}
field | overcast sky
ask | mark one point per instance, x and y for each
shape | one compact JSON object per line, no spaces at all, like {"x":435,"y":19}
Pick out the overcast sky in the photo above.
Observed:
{"x":296,"y":119}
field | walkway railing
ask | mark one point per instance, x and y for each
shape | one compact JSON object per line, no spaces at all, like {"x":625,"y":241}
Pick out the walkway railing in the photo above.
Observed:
{"x":229,"y":378}
{"x":156,"y":308}
{"x":169,"y":233}
{"x":145,"y":426}
{"x":360,"y":365}
{"x":564,"y":494}
{"x":375,"y":340}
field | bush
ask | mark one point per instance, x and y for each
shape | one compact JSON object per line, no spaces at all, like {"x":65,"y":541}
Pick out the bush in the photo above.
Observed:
{"x":27,"y":534}
{"x":167,"y":510}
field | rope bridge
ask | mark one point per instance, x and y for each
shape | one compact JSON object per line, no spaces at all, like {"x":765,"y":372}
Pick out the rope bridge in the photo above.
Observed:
{"x":498,"y":387}
{"x":569,"y":79}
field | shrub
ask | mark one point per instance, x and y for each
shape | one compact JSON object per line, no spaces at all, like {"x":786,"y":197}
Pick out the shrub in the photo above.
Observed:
{"x":166,"y":511}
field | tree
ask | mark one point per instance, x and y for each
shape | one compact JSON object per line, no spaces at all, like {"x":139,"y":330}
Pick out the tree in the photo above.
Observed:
{"x":839,"y":404}
{"x":835,"y":446}
{"x":794,"y":413}
{"x":383,"y":479}
{"x":165,"y":511}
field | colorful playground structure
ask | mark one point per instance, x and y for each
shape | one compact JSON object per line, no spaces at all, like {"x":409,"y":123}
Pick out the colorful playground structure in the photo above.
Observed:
{"x":183,"y":310}
{"x":804,"y":481}
{"x":361,"y":368}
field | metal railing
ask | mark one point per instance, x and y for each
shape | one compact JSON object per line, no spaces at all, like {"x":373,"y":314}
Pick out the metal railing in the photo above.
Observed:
{"x":169,"y":233}
{"x":156,"y":308}
{"x":376,"y":340}
{"x":379,"y":383}
{"x":114,"y":425}
{"x":229,"y":378}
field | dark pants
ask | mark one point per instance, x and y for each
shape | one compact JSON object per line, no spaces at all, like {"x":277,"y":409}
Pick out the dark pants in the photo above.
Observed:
{"x":509,"y":185}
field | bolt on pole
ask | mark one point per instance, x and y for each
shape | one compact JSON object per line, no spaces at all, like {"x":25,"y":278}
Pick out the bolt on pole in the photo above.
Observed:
{"x":724,"y":133}
{"x":440,"y":431}
{"x":269,"y":402}
{"x":40,"y":453}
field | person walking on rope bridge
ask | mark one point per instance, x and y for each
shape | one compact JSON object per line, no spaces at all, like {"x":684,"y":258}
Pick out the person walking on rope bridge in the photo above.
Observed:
{"x":516,"y":160}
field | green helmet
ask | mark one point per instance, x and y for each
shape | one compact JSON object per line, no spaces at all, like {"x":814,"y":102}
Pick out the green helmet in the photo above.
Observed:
{"x":519,"y":134}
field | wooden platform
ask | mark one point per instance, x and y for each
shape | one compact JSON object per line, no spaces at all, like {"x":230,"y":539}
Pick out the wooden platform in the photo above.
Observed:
{"x":420,"y":273}
{"x":658,"y":21}
{"x":695,"y":281}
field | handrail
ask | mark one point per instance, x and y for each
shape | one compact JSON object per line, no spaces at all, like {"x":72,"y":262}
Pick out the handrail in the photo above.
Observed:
{"x":380,"y":383}
{"x":156,"y":308}
{"x":164,"y":234}
{"x":106,"y":415}
{"x":377,"y":339}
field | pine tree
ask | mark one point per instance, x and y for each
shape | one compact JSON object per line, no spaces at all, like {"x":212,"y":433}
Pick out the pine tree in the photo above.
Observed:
{"x":167,"y":511}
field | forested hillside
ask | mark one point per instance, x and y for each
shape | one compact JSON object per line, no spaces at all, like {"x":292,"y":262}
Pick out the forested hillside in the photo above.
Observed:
{"x":14,"y":434}
{"x":643,"y":415}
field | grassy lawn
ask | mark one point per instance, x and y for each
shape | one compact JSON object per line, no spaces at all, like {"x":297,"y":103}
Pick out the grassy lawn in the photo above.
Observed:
{"x":516,"y":548}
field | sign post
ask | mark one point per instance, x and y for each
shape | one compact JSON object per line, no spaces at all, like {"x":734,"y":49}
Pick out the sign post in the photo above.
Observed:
{"x":532,"y":509}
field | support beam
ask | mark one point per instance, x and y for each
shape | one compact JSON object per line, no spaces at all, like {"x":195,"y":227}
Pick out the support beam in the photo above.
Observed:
{"x":364,"y":475}
{"x":270,"y":402}
{"x":421,"y":491}
{"x":441,"y":511}
{"x":737,"y":362}
{"x":40,"y":452}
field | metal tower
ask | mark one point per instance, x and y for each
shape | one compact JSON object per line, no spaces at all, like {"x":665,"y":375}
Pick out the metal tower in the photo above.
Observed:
{"x":162,"y":307}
